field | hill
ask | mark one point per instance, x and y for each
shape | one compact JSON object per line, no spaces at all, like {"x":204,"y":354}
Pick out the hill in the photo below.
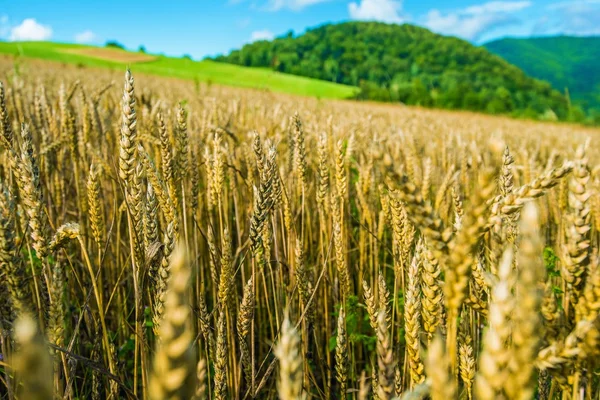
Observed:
{"x":185,"y":68}
{"x":564,"y":61}
{"x":406,"y":63}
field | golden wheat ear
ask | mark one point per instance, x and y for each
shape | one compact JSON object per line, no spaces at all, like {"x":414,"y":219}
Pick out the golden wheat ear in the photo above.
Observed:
{"x":173,"y":366}
{"x":341,"y":354}
{"x":363,"y":387}
{"x":201,"y":389}
{"x":245,"y":317}
{"x":30,"y":187}
{"x":221,"y":370}
{"x":6,"y":132}
{"x":412,"y":323}
{"x":289,"y":353}
{"x":526,"y":319}
{"x":385,"y":358}
{"x":16,"y":276}
{"x":440,"y":378}
{"x":31,"y":362}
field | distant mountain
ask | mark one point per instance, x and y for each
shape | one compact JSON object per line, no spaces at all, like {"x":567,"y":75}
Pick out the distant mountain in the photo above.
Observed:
{"x":564,"y":61}
{"x":408,"y":64}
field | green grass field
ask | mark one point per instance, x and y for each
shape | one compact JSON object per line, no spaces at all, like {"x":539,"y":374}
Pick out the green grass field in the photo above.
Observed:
{"x":205,"y":71}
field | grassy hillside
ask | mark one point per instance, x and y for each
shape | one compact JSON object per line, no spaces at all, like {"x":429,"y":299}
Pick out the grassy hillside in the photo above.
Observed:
{"x":566,"y":62}
{"x":409,"y":64}
{"x":184,"y":68}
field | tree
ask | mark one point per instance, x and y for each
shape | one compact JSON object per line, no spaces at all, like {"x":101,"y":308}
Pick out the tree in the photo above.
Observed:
{"x":114,"y":44}
{"x":332,"y":67}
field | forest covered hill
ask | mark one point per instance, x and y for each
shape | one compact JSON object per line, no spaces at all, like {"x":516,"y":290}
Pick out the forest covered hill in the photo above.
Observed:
{"x":408,"y":64}
{"x":567,"y":62}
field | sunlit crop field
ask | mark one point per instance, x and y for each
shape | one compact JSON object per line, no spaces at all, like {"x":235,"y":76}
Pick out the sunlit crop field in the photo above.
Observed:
{"x":169,"y":240}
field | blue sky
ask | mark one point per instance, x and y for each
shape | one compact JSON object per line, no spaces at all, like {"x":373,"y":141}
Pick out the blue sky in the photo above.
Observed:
{"x":209,"y":27}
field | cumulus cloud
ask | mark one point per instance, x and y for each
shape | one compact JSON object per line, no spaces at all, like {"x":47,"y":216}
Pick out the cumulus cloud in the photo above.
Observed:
{"x":261,"y":35}
{"x":473,"y":22}
{"x":470,"y":27}
{"x":376,"y":10}
{"x":576,"y":17}
{"x":30,"y":29}
{"x":296,"y":5}
{"x":85,"y":37}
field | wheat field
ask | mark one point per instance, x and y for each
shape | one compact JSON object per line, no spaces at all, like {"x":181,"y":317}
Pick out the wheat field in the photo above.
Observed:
{"x":161,"y":239}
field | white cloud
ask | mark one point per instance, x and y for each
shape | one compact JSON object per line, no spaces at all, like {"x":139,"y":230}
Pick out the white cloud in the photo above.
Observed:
{"x":576,"y":17}
{"x":472,"y":22}
{"x":261,"y":35}
{"x":470,"y":26}
{"x":296,"y":5}
{"x":30,"y":29}
{"x":4,"y":28}
{"x":572,"y":4}
{"x":85,"y":37}
{"x":376,"y":10}
{"x":243,"y":23}
{"x":498,"y":7}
